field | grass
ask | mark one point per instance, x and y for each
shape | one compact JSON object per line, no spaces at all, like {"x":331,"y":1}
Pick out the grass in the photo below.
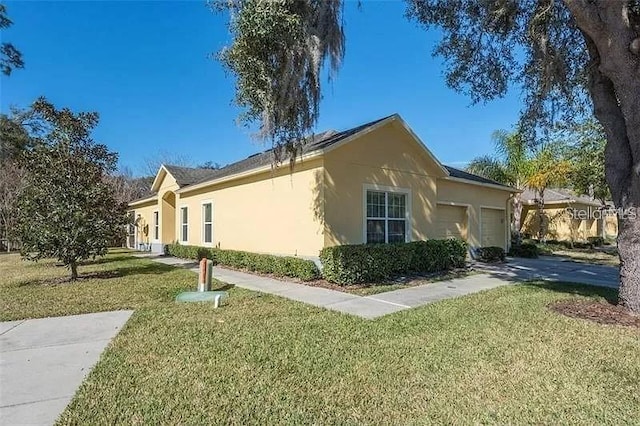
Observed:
{"x":494,"y":357}
{"x":608,"y":257}
{"x":590,"y":256}
{"x":118,"y":281}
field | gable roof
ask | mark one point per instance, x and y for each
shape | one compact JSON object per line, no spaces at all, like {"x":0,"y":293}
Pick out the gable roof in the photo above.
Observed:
{"x":188,"y":175}
{"x":190,"y":178}
{"x":558,"y":196}
{"x":457,"y":174}
{"x":317,"y":142}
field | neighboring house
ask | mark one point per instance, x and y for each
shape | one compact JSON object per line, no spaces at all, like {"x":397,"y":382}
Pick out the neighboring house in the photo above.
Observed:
{"x":376,"y":183}
{"x":567,"y":216}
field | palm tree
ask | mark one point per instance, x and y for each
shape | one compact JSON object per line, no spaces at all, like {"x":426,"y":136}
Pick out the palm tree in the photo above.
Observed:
{"x":512,"y":165}
{"x":551,"y":169}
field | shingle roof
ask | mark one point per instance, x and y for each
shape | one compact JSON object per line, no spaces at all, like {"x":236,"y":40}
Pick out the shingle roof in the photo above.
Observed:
{"x":318,"y":142}
{"x":188,"y":175}
{"x":461,"y":174}
{"x":558,"y":195}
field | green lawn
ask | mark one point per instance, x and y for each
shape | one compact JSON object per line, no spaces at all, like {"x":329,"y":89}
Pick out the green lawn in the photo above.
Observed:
{"x":494,"y":357}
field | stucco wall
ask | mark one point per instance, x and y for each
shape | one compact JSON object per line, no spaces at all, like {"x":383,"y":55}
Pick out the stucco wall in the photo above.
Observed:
{"x":273,"y":212}
{"x":474,"y":198}
{"x":560,"y":225}
{"x":386,"y":157}
{"x":144,"y":230}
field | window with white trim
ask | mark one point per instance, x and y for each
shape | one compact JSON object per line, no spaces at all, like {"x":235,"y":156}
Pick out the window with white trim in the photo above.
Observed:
{"x":207,"y":223}
{"x":156,"y":225}
{"x":184,"y":224}
{"x":386,"y":217}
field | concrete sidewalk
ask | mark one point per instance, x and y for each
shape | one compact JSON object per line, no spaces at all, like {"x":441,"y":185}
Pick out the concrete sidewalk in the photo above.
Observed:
{"x":44,"y":361}
{"x":368,"y":307}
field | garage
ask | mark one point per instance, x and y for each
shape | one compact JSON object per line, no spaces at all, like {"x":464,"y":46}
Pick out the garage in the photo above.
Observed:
{"x":492,"y":227}
{"x":451,"y":221}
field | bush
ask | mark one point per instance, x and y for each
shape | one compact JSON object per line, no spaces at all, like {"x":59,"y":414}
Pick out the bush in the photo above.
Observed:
{"x":524,"y":250}
{"x":368,"y":263}
{"x":490,"y":254}
{"x":281,"y":266}
{"x":596,"y":241}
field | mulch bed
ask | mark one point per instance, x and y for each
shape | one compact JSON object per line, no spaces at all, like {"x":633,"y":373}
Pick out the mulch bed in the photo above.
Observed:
{"x":602,"y":313}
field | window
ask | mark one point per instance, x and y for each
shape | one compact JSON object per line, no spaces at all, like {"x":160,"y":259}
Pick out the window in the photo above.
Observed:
{"x":386,"y":217}
{"x":207,"y":223}
{"x":156,"y":225}
{"x":184,"y":224}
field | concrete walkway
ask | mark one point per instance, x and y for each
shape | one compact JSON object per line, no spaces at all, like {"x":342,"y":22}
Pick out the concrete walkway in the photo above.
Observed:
{"x":368,"y":307}
{"x":553,"y":268}
{"x":44,"y":361}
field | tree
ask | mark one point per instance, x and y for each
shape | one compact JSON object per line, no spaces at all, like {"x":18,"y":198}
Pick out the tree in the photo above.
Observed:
{"x":152,"y":164}
{"x":587,"y":143}
{"x":67,"y":209}
{"x":10,"y":57}
{"x":277,"y":55}
{"x":15,"y":140}
{"x":127,"y":188}
{"x":565,"y":56}
{"x":511,"y":166}
{"x":549,"y":169}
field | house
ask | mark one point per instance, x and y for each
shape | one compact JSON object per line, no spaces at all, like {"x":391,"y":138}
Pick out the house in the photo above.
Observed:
{"x":567,"y":216}
{"x":375,"y":183}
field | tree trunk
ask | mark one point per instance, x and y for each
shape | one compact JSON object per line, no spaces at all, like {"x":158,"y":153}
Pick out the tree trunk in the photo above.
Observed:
{"x":517,"y":217}
{"x":74,"y":270}
{"x":614,"y":86}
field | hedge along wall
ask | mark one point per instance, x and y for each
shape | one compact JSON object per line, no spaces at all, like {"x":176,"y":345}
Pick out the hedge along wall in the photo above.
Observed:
{"x":369,"y":263}
{"x":282,"y":266}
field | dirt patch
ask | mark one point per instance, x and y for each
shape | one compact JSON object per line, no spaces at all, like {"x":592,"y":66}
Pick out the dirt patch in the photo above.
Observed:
{"x":602,"y":313}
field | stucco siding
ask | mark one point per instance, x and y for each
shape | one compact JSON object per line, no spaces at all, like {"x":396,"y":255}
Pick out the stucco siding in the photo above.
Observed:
{"x":143,"y":214}
{"x":474,"y":198}
{"x":559,"y":224}
{"x":386,"y":158}
{"x":273,"y":212}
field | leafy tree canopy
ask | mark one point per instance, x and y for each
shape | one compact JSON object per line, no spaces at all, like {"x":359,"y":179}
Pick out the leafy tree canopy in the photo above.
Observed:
{"x":67,"y":209}
{"x":277,"y":55}
{"x":10,"y":57}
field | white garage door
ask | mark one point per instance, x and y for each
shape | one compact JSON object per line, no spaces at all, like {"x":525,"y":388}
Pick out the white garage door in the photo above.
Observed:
{"x":451,"y":222}
{"x":493,"y":227}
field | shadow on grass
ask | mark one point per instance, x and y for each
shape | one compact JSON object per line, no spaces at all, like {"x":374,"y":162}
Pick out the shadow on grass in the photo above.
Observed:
{"x":106,"y":259}
{"x":151,"y":269}
{"x":609,"y":294}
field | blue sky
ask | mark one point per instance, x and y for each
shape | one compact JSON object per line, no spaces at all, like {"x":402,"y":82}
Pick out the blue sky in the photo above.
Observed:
{"x":146,"y":67}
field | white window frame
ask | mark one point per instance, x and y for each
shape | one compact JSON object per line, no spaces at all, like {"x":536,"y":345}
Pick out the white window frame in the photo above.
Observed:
{"x":387,"y":189}
{"x":156,"y":225}
{"x":202,"y":228}
{"x":182,"y":224}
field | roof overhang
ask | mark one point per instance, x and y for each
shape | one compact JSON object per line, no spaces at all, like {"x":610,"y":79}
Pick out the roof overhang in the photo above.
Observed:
{"x":483,"y":184}
{"x":162,"y":172}
{"x":316,"y":154}
{"x":567,"y":201}
{"x":143,"y":201}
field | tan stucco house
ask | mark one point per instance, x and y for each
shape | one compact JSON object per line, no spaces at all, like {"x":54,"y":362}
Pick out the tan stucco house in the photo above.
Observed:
{"x":567,"y":216}
{"x":375,"y":183}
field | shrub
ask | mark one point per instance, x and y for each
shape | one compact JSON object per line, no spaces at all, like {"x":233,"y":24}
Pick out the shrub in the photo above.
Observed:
{"x":368,"y":263}
{"x":596,"y":241}
{"x":281,"y":266}
{"x":490,"y":254}
{"x":524,"y":250}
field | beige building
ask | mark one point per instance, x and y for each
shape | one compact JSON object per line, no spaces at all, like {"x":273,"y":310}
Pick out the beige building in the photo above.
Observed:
{"x":376,"y":183}
{"x":566,"y":216}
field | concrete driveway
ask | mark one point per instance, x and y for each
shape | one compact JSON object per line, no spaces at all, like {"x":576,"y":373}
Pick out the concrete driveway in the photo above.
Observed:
{"x":553,"y":269}
{"x":44,"y":361}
